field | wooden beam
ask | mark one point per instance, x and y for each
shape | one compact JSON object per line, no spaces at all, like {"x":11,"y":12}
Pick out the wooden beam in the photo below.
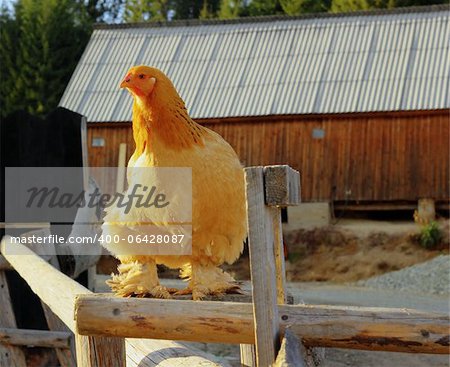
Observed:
{"x":281,"y":185}
{"x":35,"y":338}
{"x":290,"y":354}
{"x":54,"y":288}
{"x":9,"y":355}
{"x":248,"y":355}
{"x":166,"y":353}
{"x":261,"y":241}
{"x":59,"y":292}
{"x":66,"y":357}
{"x":100,"y":351}
{"x":117,"y":315}
{"x":399,"y":330}
{"x":294,"y":354}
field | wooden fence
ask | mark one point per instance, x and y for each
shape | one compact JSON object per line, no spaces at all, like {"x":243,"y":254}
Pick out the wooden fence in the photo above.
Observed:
{"x":269,"y":331}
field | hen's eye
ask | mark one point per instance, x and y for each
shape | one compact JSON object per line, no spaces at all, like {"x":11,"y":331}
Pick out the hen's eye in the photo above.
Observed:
{"x":141,"y":76}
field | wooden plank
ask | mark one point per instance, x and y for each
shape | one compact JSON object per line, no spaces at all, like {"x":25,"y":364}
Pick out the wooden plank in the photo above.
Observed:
{"x":100,"y":351}
{"x":66,"y":357}
{"x":368,"y":328}
{"x":248,"y":355}
{"x":35,"y":338}
{"x":294,"y":354}
{"x":117,"y":316}
{"x":281,"y":185}
{"x":262,"y":265}
{"x":280,"y":268}
{"x":248,"y":134}
{"x":166,"y":353}
{"x":9,"y":355}
{"x":59,"y":292}
{"x":290,"y":354}
{"x":281,"y":190}
{"x":54,"y":288}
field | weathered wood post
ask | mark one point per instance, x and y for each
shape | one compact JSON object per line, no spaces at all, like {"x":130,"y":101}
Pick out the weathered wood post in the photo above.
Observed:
{"x":10,"y":355}
{"x":268,"y":189}
{"x":59,"y":292}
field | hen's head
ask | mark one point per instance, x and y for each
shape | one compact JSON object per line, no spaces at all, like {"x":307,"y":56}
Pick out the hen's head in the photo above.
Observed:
{"x":143,"y":81}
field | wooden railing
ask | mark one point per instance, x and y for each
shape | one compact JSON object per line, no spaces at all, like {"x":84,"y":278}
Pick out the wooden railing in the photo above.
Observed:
{"x":103,"y":323}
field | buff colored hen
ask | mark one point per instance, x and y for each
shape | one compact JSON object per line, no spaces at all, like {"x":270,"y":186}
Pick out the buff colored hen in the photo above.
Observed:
{"x":166,"y":136}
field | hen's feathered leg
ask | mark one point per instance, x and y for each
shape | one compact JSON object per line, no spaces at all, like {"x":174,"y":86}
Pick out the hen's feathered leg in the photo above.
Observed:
{"x":207,"y":280}
{"x":137,"y":279}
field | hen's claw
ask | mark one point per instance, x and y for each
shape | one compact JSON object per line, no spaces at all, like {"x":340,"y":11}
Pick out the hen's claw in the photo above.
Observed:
{"x":137,"y":280}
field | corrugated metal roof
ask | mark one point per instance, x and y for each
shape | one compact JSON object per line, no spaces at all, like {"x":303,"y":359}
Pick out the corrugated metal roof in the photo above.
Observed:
{"x":357,"y":63}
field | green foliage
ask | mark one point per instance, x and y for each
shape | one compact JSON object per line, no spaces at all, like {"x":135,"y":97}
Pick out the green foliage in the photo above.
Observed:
{"x":230,"y":9}
{"x":157,"y":10}
{"x":101,"y":10}
{"x":193,"y":9}
{"x":207,"y":11}
{"x":264,"y":7}
{"x":39,"y":49}
{"x":338,"y":6}
{"x":430,"y":236}
{"x":145,"y":10}
{"x":297,"y":7}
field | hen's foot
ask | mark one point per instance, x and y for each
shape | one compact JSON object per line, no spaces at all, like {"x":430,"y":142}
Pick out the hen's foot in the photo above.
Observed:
{"x":208,"y":281}
{"x":138,"y":280}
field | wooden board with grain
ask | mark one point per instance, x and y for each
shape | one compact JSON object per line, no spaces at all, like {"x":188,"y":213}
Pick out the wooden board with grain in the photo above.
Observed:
{"x":366,"y":328}
{"x":35,"y":338}
{"x":59,"y":292}
{"x":388,"y":159}
{"x":261,"y":240}
{"x":10,"y":355}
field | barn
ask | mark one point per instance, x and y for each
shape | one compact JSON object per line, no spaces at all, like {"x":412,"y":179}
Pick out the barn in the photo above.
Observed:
{"x":357,"y":102}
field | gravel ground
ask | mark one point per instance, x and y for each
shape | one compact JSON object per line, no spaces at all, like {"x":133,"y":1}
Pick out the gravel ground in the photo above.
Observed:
{"x":431,"y":277}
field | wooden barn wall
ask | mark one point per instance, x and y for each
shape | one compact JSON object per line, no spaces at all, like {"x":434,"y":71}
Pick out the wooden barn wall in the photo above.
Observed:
{"x":360,"y":158}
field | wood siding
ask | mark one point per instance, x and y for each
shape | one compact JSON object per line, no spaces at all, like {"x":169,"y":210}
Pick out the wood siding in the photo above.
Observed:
{"x":361,"y":157}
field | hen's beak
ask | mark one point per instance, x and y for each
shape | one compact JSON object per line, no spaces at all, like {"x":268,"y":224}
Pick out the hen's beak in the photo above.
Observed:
{"x":126,"y":82}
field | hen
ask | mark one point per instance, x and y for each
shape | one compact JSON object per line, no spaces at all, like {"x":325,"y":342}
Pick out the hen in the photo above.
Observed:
{"x":166,"y":136}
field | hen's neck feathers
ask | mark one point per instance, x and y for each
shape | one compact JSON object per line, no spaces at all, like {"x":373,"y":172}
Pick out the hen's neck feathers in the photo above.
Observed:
{"x":162,"y":117}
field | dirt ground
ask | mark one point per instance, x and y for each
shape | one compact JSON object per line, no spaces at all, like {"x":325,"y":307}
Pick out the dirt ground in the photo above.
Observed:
{"x":350,"y":251}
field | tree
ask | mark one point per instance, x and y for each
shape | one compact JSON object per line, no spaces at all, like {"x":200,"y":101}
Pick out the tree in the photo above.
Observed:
{"x":102,"y":10}
{"x":40,"y":48}
{"x":209,"y":10}
{"x":147,"y":10}
{"x":230,"y":9}
{"x":264,"y":7}
{"x":193,"y":9}
{"x":8,"y":54}
{"x":296,"y":7}
{"x":354,"y":5}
